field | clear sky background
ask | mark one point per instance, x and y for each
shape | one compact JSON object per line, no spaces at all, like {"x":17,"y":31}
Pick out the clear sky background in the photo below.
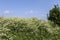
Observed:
{"x":27,"y":8}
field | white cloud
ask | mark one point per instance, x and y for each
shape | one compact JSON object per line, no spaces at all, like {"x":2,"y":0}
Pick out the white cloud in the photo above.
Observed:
{"x":6,"y":12}
{"x":29,"y":12}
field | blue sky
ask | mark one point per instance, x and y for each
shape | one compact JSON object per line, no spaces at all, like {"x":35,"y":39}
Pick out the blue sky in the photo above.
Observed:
{"x":26,"y":8}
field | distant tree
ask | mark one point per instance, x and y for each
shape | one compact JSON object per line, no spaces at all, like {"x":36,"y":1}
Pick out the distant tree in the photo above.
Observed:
{"x":54,"y":15}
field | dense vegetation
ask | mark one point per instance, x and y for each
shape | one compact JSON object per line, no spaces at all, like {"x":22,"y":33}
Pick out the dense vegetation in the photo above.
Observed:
{"x":28,"y":29}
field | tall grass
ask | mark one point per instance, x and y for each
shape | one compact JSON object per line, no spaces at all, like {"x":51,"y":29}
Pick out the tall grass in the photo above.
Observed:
{"x":28,"y":29}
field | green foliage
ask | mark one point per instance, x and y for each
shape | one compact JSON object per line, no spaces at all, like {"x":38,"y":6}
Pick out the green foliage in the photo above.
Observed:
{"x":28,"y":29}
{"x":54,"y":15}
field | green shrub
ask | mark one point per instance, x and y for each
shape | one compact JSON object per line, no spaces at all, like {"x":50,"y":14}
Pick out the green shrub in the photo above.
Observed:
{"x":54,"y":15}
